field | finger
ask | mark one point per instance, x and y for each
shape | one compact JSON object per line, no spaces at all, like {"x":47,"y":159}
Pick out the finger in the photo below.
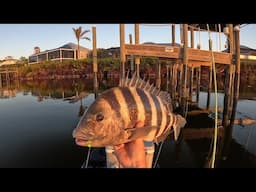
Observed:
{"x":118,"y":147}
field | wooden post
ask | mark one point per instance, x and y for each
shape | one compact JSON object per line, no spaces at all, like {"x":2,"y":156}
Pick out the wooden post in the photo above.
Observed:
{"x":158,"y":75}
{"x":192,"y":37}
{"x":230,"y":38}
{"x":173,"y":34}
{"x":209,"y":88}
{"x":198,"y":79}
{"x":226,"y":97}
{"x":229,"y":129}
{"x":132,"y":58}
{"x":175,"y":80}
{"x":95,"y":64}
{"x":210,"y":79}
{"x":180,"y":82}
{"x":181,"y":34}
{"x":122,"y":52}
{"x":167,"y":76}
{"x":137,"y":41}
{"x":191,"y":82}
{"x":185,"y":67}
{"x":173,"y":85}
{"x":231,"y":87}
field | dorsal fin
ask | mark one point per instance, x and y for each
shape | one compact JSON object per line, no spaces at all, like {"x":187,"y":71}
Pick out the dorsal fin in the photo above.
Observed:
{"x":136,"y":81}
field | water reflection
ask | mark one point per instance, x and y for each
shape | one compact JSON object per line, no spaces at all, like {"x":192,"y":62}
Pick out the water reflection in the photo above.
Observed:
{"x":37,"y":119}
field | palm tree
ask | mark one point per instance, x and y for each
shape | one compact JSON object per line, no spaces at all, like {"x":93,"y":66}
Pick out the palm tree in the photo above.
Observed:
{"x":80,"y":35}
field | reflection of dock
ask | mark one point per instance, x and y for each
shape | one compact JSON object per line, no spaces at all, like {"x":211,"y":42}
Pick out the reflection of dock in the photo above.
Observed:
{"x":6,"y":93}
{"x":7,"y":74}
{"x":8,"y":82}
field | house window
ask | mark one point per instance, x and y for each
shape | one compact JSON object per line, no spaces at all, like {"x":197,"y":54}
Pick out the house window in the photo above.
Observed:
{"x":54,"y":55}
{"x":67,"y":54}
{"x":32,"y":59}
{"x":42,"y":57}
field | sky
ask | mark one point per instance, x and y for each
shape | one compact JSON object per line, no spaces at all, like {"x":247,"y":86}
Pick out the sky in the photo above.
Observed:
{"x":19,"y":40}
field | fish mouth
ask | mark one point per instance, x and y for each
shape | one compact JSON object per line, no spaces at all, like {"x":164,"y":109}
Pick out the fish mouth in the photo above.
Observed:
{"x":82,"y":142}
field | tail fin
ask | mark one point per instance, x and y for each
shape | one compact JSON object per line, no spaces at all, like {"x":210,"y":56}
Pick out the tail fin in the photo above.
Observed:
{"x":179,"y":123}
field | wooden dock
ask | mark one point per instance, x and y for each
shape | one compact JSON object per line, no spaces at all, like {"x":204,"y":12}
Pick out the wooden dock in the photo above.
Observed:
{"x":183,"y":65}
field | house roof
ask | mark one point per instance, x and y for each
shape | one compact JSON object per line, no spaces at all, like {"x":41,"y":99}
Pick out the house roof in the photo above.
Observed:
{"x":244,"y":50}
{"x":73,"y":46}
{"x":66,"y":46}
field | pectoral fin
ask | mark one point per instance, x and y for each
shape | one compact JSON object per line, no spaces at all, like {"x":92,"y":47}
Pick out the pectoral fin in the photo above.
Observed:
{"x":136,"y":133}
{"x":178,"y":124}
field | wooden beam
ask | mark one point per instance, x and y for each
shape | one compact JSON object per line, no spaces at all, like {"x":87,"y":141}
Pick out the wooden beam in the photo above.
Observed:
{"x":204,"y":55}
{"x":95,"y":64}
{"x":137,"y":42}
{"x":231,"y":38}
{"x":173,"y":34}
{"x":153,"y":50}
{"x":174,"y":52}
{"x":158,"y":75}
{"x":132,"y":58}
{"x":192,"y":38}
{"x":122,"y":51}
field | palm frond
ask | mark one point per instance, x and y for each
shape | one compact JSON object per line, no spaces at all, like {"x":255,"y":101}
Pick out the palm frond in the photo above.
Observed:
{"x":87,"y":38}
{"x":84,"y":32}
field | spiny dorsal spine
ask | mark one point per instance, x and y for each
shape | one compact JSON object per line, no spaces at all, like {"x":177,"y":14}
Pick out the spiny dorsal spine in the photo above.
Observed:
{"x":136,"y":81}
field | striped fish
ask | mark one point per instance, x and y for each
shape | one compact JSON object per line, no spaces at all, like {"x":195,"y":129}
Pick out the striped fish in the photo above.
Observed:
{"x":111,"y":118}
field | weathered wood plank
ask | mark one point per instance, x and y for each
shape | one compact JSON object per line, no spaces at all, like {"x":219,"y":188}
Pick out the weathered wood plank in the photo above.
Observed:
{"x":204,"y":55}
{"x":194,"y":55}
{"x":153,"y":50}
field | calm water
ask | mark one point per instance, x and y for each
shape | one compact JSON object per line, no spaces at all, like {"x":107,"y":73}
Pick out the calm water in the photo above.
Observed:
{"x":37,"y":120}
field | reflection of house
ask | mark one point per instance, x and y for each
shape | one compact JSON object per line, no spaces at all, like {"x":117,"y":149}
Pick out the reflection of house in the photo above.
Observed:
{"x":8,"y":61}
{"x":65,"y":52}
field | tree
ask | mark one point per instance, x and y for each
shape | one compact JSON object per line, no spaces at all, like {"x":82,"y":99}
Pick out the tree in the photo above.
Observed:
{"x":80,"y":35}
{"x":23,"y":60}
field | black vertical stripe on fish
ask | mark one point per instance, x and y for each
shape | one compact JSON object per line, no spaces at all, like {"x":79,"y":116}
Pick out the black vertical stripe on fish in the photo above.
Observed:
{"x":163,"y":112}
{"x":131,"y":102}
{"x":167,"y":126}
{"x":147,"y":106}
{"x":168,"y":119}
{"x":159,"y":111}
{"x":111,"y":98}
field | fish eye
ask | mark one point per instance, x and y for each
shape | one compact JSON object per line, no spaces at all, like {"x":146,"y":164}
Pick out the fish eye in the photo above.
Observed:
{"x":99,"y":117}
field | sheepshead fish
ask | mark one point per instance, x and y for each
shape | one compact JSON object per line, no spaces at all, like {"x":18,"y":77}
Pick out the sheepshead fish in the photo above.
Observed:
{"x":111,"y":118}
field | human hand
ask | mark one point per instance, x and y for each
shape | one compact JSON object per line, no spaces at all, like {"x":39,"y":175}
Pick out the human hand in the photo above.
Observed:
{"x":132,"y":154}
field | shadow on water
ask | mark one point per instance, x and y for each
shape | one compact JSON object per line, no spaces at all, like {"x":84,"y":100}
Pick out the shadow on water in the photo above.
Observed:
{"x":38,"y":117}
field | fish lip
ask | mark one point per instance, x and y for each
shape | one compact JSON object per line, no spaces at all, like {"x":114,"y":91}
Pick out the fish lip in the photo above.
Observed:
{"x":81,"y":141}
